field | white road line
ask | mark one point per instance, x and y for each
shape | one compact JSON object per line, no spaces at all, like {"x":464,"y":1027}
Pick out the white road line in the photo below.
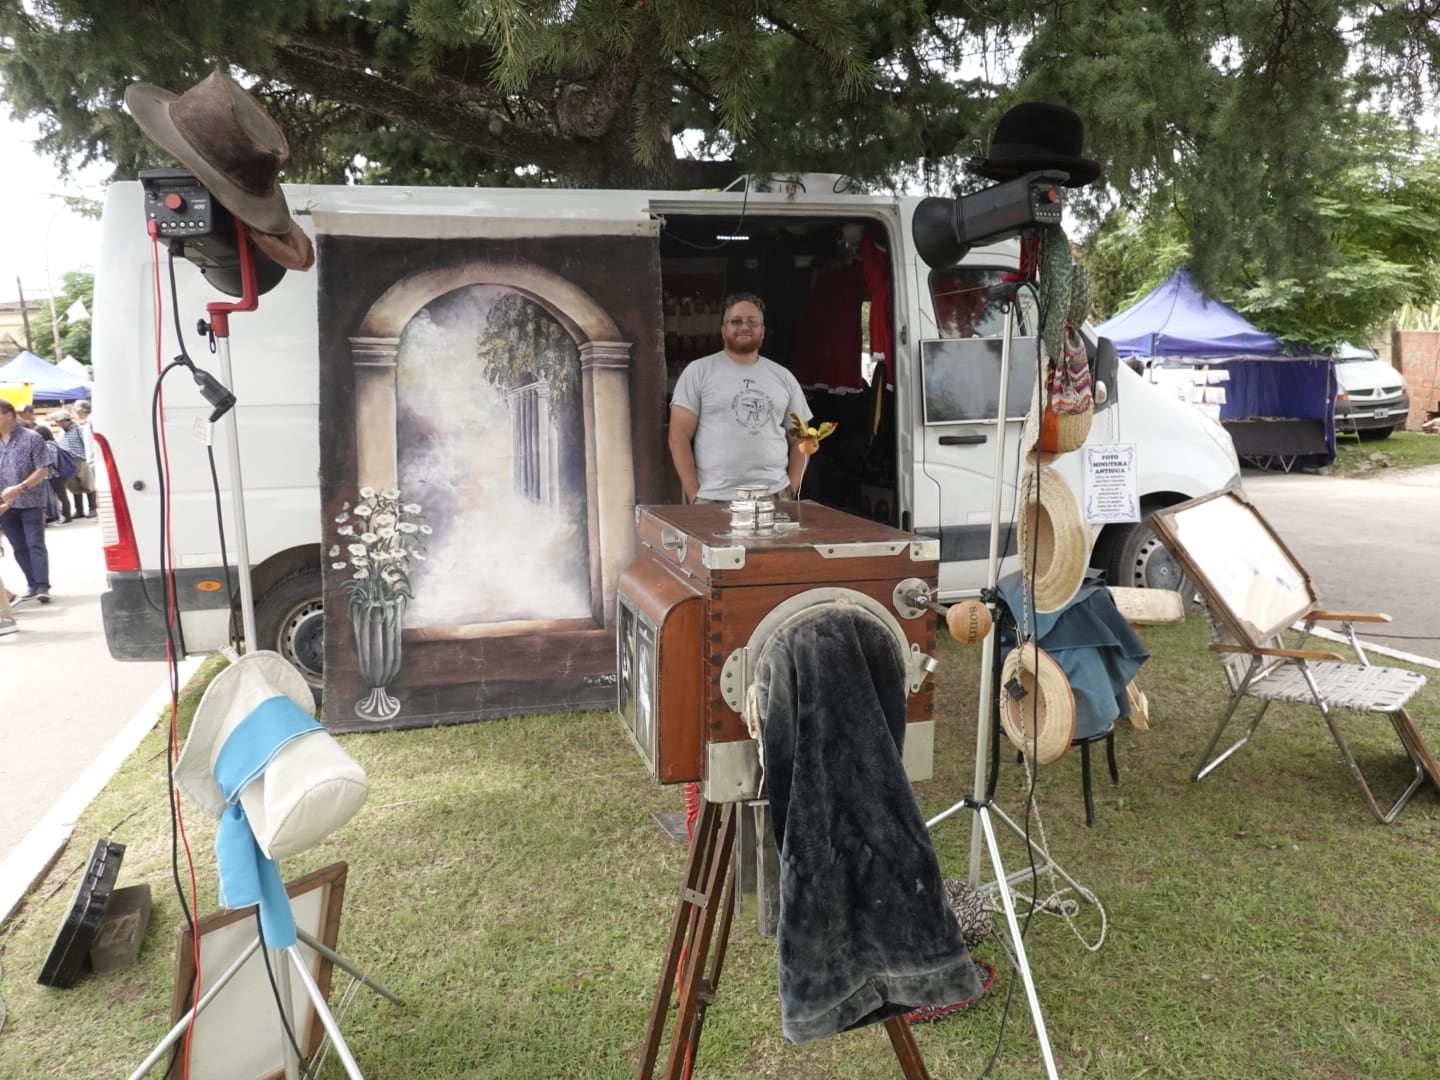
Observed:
{"x":33,"y":856}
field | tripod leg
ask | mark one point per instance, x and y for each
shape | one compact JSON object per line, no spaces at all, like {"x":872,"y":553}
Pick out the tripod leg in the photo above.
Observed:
{"x":718,"y":867}
{"x":184,"y":1022}
{"x":345,"y":965}
{"x":322,"y":1010}
{"x":907,"y":1051}
{"x":1017,"y":941}
{"x":681,"y":930}
{"x":287,"y":1017}
{"x":710,"y":989}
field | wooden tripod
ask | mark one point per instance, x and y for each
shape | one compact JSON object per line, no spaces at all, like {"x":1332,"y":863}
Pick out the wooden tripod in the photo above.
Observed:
{"x":707,"y":897}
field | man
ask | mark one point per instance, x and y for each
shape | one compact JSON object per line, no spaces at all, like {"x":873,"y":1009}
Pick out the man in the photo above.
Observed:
{"x":24,"y":470}
{"x":729,"y":414}
{"x":27,"y":416}
{"x":86,"y":473}
{"x":72,"y":440}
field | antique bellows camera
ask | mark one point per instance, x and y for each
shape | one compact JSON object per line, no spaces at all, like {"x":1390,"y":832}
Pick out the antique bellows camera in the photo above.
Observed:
{"x":708,"y":587}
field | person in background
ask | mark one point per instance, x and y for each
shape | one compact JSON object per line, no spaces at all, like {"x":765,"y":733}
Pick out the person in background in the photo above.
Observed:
{"x":52,"y":503}
{"x":23,"y":470}
{"x":729,"y":414}
{"x":7,"y":617}
{"x":72,"y":440}
{"x":87,"y":473}
{"x":27,"y":416}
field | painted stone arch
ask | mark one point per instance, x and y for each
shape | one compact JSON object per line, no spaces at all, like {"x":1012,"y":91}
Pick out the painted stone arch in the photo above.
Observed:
{"x":605,"y":397}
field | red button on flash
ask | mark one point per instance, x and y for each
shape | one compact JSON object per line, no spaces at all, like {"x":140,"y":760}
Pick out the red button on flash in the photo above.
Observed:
{"x":174,"y":203}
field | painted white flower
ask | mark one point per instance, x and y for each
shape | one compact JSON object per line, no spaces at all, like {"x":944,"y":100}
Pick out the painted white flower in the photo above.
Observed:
{"x":360,"y":575}
{"x":385,"y":519}
{"x":407,"y":527}
{"x":335,"y":551}
{"x":417,"y":555}
{"x":346,"y":530}
{"x":337,"y":566}
{"x":411,"y":508}
{"x":426,"y":530}
{"x":362,"y":511}
{"x":390,"y":493}
{"x":359,"y":560}
{"x":387,"y":533}
{"x":368,"y":538}
{"x":356,"y":549}
{"x":367,"y":493}
{"x":340,"y":519}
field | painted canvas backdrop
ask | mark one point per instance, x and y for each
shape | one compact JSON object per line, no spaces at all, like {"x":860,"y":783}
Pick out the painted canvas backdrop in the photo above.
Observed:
{"x":490,"y":413}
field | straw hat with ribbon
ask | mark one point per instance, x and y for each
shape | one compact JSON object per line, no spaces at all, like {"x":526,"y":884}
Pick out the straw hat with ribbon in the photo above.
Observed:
{"x":1041,"y":721}
{"x":1054,"y":541}
{"x":222,"y":134}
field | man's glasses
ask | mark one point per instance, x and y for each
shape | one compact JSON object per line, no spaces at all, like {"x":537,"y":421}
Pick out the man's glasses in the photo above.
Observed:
{"x":752,"y":321}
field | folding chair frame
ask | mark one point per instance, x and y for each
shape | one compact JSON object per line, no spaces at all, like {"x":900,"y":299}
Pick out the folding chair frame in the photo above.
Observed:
{"x":1257,"y":664}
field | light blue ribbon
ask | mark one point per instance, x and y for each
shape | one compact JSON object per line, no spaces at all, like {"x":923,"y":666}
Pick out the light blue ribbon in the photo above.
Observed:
{"x":247,"y":875}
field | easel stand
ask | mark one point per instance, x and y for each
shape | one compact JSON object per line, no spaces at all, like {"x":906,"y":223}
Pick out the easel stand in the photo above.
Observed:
{"x":312,"y":991}
{"x":707,"y":905}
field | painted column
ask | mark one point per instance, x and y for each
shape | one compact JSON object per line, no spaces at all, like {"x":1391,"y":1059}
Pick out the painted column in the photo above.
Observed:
{"x":605,"y":369}
{"x":376,"y":457}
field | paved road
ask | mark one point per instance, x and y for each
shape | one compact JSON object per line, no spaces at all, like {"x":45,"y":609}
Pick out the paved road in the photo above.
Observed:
{"x":76,"y":699}
{"x":1370,"y":545}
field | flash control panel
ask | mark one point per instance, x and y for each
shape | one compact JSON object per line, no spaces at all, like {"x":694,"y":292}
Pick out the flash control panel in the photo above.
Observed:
{"x":180,"y":206}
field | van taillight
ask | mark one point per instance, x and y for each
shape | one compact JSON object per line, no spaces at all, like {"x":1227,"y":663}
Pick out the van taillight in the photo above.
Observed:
{"x":122,"y":554}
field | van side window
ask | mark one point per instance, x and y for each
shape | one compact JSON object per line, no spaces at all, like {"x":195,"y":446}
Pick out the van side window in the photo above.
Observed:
{"x":962,"y":369}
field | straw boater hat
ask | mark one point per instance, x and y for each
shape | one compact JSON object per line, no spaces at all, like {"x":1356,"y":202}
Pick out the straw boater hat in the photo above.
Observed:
{"x":1042,"y":722}
{"x":1054,"y":541}
{"x":309,"y":785}
{"x":221,"y":134}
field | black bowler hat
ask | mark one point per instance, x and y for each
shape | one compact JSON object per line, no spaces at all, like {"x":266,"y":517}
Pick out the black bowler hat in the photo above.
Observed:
{"x":1037,"y":135}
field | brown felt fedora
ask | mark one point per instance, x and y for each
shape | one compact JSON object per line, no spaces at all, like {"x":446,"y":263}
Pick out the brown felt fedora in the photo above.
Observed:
{"x":221,"y":134}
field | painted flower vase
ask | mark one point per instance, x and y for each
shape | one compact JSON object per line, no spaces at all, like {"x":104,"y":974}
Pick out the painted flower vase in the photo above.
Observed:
{"x":376,"y":624}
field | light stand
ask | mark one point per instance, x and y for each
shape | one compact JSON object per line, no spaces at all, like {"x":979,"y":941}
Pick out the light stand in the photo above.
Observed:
{"x":312,"y":991}
{"x":177,"y":199}
{"x":219,"y":326}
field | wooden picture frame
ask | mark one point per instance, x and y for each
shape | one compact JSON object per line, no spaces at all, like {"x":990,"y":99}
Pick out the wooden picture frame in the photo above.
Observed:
{"x":238,"y":1036}
{"x":1234,"y":551}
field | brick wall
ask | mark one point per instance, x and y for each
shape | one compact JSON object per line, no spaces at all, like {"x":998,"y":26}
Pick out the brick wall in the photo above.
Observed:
{"x":1417,"y":355}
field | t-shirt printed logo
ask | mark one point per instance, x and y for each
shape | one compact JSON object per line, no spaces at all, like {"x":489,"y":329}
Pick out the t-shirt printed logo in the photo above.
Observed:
{"x":752,"y":407}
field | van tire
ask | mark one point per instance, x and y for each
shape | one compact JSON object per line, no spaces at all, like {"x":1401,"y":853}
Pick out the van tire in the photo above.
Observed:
{"x":1368,"y":434}
{"x":289,"y":619}
{"x":1135,"y":557}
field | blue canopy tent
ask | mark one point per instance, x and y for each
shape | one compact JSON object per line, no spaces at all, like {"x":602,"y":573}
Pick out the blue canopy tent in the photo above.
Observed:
{"x":1279,"y":408}
{"x":50,"y":385}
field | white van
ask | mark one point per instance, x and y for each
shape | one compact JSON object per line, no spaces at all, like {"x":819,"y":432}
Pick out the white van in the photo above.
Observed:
{"x":915,"y":446}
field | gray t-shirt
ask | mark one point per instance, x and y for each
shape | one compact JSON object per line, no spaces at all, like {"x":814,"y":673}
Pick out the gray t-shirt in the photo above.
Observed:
{"x":743,"y":409}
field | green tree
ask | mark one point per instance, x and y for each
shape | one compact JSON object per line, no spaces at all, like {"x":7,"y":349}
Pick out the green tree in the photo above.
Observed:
{"x":1382,"y":221}
{"x":1241,"y":111}
{"x":524,"y":342}
{"x":74,"y":332}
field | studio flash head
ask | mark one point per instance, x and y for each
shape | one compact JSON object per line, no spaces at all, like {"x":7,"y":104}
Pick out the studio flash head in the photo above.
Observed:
{"x":945,"y":229}
{"x":195,"y":223}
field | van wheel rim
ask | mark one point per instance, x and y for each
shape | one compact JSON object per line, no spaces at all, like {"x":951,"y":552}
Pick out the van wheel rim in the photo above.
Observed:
{"x":302,"y":640}
{"x":1154,"y":567}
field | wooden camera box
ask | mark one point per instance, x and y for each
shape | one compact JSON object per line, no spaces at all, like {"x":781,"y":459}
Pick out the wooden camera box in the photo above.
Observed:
{"x":699,"y":603}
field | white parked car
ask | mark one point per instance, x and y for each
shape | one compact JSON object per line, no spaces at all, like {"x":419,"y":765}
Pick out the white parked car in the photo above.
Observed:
{"x":1371,"y":401}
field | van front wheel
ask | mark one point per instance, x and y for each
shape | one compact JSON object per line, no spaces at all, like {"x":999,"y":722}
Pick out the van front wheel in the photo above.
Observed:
{"x":290,"y":619}
{"x":1135,"y":557}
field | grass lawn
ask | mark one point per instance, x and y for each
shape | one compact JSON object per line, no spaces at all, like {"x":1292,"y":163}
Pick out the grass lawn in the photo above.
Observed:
{"x":507,"y":879}
{"x":1405,"y":449}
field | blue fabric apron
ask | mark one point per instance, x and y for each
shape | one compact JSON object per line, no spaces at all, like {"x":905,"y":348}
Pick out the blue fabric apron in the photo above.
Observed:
{"x":247,"y":876}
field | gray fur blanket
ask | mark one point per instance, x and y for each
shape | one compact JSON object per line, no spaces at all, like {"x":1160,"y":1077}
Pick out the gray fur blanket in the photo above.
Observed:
{"x":865,"y":933}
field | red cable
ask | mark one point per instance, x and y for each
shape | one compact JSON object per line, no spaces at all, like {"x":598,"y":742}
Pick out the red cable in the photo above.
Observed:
{"x":172,"y":617}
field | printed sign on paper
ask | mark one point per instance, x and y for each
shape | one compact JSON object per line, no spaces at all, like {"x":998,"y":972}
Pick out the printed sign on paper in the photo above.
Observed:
{"x":1110,"y":484}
